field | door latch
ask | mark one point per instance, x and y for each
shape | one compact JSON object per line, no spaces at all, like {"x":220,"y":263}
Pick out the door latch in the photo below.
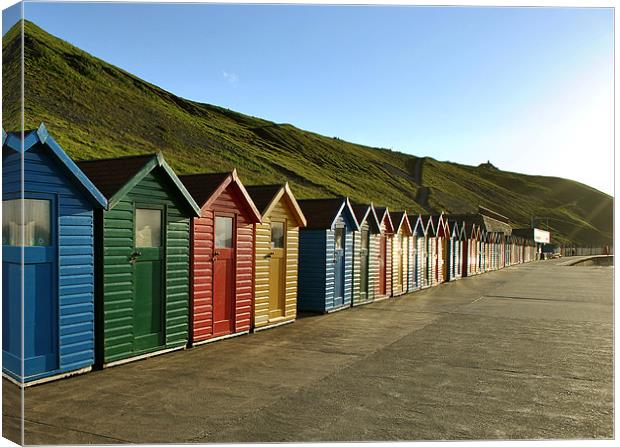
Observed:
{"x":134,"y":256}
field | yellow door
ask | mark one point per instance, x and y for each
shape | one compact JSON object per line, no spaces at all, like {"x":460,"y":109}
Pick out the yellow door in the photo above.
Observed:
{"x":277,"y":270}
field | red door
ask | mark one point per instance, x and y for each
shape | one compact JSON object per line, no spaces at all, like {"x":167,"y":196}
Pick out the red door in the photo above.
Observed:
{"x":223,"y":276}
{"x":382,"y":255}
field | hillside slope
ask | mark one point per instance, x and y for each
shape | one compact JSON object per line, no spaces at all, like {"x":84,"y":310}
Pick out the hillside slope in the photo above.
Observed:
{"x":96,"y":110}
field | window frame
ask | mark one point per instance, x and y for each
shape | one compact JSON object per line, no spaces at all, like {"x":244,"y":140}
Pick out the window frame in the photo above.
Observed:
{"x":52,"y":198}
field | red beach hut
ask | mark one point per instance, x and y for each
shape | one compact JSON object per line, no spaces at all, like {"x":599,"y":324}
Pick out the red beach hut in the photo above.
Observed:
{"x":222,"y":257}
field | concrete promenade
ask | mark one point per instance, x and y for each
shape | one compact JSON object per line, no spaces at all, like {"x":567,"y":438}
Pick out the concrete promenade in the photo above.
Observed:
{"x":520,"y":353}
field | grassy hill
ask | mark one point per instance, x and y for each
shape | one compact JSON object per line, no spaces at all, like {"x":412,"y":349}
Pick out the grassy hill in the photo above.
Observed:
{"x":96,"y":110}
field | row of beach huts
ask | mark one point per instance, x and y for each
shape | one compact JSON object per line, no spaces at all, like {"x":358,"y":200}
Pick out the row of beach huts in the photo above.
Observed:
{"x":109,"y":261}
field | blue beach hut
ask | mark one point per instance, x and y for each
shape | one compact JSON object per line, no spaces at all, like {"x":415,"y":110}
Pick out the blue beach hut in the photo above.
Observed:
{"x":54,"y":234}
{"x":326,"y":255}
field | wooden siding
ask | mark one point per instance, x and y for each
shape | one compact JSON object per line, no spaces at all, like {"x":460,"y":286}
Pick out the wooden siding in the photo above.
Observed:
{"x":398,"y":267}
{"x":118,"y":282}
{"x":388,"y":262}
{"x":348,"y":266}
{"x":373,"y":273}
{"x":75,"y":242}
{"x":373,"y":264}
{"x":312,"y":270}
{"x":432,"y":260}
{"x":441,"y":258}
{"x":422,"y":260}
{"x":203,"y":245}
{"x":411,"y":286}
{"x":357,"y":260}
{"x":281,"y":211}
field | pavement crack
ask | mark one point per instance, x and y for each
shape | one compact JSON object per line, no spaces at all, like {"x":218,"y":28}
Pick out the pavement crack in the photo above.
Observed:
{"x":508,"y":297}
{"x":32,"y":421}
{"x":517,"y":372}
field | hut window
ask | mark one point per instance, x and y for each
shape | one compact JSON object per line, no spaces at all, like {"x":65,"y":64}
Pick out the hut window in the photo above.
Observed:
{"x":148,"y":227}
{"x":339,"y":238}
{"x":223,"y":232}
{"x":36,"y":224}
{"x":277,"y":234}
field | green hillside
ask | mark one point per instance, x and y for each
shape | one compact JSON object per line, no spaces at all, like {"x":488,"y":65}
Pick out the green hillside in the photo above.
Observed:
{"x":96,"y":110}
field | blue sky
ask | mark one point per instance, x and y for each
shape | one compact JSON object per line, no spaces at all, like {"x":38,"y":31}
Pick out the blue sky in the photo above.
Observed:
{"x":530,"y":89}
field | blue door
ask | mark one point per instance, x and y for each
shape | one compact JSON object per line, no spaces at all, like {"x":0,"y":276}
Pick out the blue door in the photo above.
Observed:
{"x":40,"y":299}
{"x":339,"y":267}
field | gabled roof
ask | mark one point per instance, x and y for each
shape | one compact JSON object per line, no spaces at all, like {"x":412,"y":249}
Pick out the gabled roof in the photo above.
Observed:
{"x":485,"y":221}
{"x":366,"y":212}
{"x":32,"y":138}
{"x":115,"y":177}
{"x":440,"y":225}
{"x":419,"y":228}
{"x":383,"y":216}
{"x":454,"y":229}
{"x":402,"y":221}
{"x":462,"y":231}
{"x":265,"y":197}
{"x":206,"y":188}
{"x":429,"y":225}
{"x":323,"y":213}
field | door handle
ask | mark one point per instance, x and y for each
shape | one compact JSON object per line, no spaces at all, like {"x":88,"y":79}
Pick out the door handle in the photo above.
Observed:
{"x":134,"y":256}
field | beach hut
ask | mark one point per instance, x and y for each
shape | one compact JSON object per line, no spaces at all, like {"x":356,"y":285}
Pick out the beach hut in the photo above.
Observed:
{"x":420,"y":255}
{"x":474,"y":245}
{"x":431,"y":250}
{"x":276,"y":255}
{"x":452,"y":244}
{"x":366,"y":244}
{"x":384,"y":282}
{"x":458,"y":233}
{"x":400,"y":252}
{"x":412,"y":266}
{"x":442,"y":233}
{"x":142,"y":249}
{"x":222,"y":257}
{"x":48,"y":243}
{"x":326,"y":255}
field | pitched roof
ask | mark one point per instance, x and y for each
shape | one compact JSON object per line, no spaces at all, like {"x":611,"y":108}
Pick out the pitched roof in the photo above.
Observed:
{"x":429,"y":225}
{"x":265,"y":198}
{"x":365,"y":212}
{"x":417,"y":224}
{"x":205,"y":188}
{"x":111,"y":174}
{"x":40,"y":136}
{"x":321,"y":213}
{"x":382,"y":214}
{"x":262,"y":195}
{"x":484,"y":221}
{"x":400,"y":218}
{"x":116,"y":176}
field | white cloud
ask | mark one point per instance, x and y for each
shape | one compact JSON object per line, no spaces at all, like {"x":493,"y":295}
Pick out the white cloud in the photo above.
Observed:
{"x":232,"y":78}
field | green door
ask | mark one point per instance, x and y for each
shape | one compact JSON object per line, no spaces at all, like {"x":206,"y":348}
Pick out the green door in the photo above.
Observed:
{"x":148,"y":316}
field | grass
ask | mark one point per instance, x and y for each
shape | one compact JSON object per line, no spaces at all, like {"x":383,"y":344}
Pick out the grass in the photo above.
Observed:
{"x":96,"y":110}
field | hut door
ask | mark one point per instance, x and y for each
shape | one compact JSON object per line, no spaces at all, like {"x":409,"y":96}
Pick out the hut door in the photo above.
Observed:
{"x":404,"y":265}
{"x":277,"y":270}
{"x":40,"y":300}
{"x":339,"y":267}
{"x":147,"y":259}
{"x":364,"y":265}
{"x":223,"y":276}
{"x":382,"y":256}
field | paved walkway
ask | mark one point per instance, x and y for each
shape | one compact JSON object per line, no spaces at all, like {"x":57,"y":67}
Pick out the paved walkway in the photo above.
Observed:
{"x":521,"y":353}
